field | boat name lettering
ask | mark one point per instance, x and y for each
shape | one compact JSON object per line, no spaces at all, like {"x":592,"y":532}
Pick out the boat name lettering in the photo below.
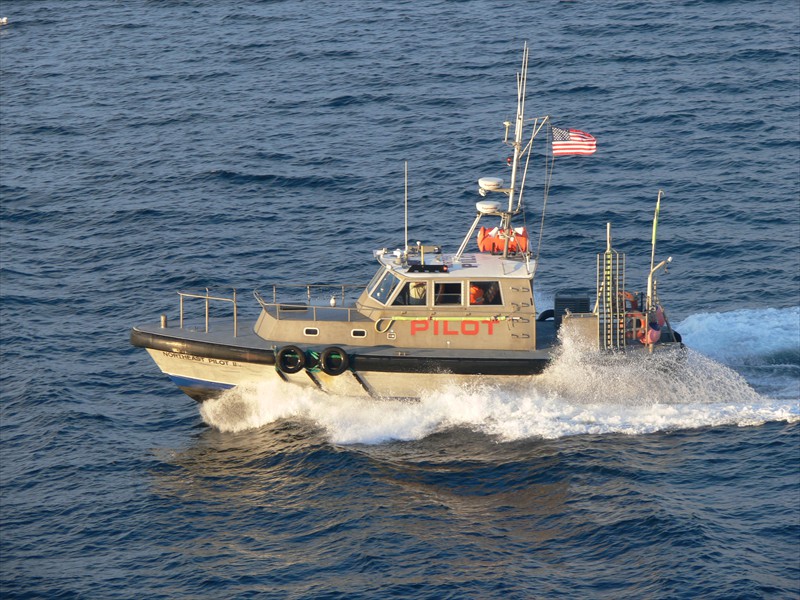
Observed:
{"x":211,"y":361}
{"x":466,"y":327}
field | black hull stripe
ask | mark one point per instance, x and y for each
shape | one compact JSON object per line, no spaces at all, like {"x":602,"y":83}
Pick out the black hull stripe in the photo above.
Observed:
{"x":153,"y":341}
{"x":363,"y":363}
{"x":452,"y":366}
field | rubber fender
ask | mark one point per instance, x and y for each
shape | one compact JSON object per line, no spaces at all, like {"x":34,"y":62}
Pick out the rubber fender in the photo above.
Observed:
{"x":290,"y":359}
{"x":334,"y":361}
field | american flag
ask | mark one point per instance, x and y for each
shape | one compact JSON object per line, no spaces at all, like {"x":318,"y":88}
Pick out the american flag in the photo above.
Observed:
{"x":572,"y":141}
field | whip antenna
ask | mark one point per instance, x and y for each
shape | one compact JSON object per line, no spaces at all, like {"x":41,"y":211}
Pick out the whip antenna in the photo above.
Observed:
{"x":406,"y":203}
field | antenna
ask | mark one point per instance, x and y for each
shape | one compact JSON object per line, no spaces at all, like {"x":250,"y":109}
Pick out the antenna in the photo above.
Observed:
{"x":522,"y":81}
{"x":406,"y":205}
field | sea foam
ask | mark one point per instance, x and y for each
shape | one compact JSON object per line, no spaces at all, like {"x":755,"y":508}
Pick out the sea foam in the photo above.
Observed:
{"x":580,"y":393}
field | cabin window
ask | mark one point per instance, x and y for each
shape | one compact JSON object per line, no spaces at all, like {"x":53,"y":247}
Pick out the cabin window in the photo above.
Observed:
{"x":484,"y":292}
{"x":375,"y":279}
{"x":385,"y":287}
{"x":448,"y":293}
{"x":413,"y":293}
{"x":358,"y":333}
{"x":312,"y":331}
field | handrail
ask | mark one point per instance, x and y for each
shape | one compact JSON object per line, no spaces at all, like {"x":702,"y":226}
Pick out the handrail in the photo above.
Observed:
{"x":309,"y":297}
{"x":208,"y":298}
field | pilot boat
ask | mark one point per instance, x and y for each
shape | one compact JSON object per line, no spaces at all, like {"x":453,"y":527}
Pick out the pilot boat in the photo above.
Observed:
{"x":428,"y":318}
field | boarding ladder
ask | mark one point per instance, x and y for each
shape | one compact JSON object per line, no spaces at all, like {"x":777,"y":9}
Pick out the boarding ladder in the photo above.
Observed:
{"x":610,"y":306}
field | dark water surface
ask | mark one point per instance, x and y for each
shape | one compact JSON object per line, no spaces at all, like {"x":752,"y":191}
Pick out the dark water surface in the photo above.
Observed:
{"x":147,"y":147}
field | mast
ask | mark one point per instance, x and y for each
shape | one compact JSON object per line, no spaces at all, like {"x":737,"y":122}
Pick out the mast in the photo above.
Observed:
{"x":495,"y":184}
{"x":522,"y":81}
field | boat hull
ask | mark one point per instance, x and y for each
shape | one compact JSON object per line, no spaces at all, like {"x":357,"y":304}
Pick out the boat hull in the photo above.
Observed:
{"x":204,"y":366}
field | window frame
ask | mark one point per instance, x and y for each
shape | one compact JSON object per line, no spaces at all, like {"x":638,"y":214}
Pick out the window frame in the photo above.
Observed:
{"x":437,"y":293}
{"x":485,"y":284}
{"x":385,"y":298}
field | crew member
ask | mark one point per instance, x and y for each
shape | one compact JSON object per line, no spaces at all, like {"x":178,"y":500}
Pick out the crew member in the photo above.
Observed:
{"x":476,"y":294}
{"x":416,"y":294}
{"x":491,"y":294}
{"x":485,"y":293}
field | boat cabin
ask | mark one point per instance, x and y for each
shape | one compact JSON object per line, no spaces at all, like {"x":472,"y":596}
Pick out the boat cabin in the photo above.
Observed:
{"x":423,"y":299}
{"x":430,"y":300}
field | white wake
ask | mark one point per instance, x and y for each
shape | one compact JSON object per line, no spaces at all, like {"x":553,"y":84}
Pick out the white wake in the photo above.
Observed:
{"x":580,"y":393}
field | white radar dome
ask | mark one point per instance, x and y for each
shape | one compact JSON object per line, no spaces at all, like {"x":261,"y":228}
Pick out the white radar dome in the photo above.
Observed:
{"x":490,"y":183}
{"x":487,"y":207}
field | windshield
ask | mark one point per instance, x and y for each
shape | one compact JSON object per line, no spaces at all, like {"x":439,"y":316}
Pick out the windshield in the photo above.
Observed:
{"x":384,"y":289}
{"x":376,"y":278}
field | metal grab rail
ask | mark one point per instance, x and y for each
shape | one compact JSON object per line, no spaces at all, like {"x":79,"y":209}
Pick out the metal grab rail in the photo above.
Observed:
{"x":312,"y":293}
{"x":341,"y":289}
{"x":208,"y":298}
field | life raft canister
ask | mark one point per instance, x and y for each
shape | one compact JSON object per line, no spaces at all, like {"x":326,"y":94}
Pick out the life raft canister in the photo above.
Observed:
{"x":334,"y":361}
{"x":290,"y":360}
{"x":493,"y":240}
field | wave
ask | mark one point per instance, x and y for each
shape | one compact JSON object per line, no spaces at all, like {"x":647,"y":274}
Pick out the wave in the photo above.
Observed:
{"x":507,"y":414}
{"x":745,"y":336}
{"x":580,"y":393}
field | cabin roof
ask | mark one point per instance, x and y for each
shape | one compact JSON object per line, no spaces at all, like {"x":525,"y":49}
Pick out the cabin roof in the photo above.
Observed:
{"x":471,"y":266}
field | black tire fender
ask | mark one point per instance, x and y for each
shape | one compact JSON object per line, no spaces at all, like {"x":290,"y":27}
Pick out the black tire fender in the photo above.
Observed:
{"x":334,"y":361}
{"x":290,"y":360}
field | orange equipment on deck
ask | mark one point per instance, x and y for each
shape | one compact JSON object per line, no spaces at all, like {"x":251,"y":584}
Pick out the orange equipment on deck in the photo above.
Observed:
{"x":493,"y":240}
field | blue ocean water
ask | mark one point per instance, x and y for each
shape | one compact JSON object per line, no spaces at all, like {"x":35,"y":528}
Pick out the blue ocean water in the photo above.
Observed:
{"x":147,"y":147}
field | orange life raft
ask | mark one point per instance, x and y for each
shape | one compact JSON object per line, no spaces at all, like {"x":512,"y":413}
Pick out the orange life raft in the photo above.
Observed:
{"x":493,"y":240}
